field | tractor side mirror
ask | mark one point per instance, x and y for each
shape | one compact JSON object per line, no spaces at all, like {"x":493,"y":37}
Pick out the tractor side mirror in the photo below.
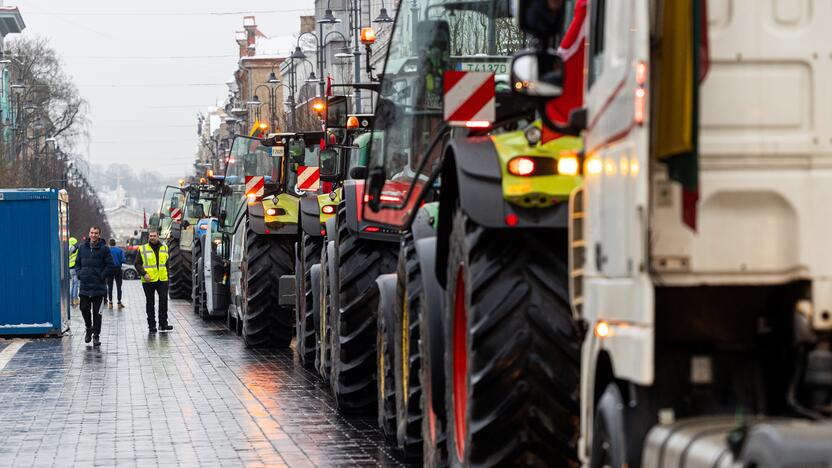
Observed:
{"x":329,"y":164}
{"x":375,"y":184}
{"x":336,"y":112}
{"x":223,"y":214}
{"x":537,"y":74}
{"x":358,"y":172}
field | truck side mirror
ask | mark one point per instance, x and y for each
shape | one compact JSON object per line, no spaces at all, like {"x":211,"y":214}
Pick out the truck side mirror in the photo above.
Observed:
{"x":329,"y":164}
{"x":375,"y":183}
{"x":537,"y":74}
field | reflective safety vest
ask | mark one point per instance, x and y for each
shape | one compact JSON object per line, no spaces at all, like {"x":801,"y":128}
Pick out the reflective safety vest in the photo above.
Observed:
{"x":73,"y":251}
{"x":154,"y":271}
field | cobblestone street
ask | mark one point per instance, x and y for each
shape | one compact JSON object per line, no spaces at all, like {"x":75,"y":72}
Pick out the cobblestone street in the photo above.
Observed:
{"x":193,"y":397}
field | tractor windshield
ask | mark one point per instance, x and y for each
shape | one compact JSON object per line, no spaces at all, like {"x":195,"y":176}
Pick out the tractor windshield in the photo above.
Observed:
{"x":301,"y":153}
{"x":248,"y":159}
{"x":173,"y":202}
{"x":430,"y":37}
{"x":198,"y":205}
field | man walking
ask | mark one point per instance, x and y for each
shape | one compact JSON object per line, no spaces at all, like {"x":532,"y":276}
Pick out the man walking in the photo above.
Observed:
{"x":73,"y":283}
{"x":152,"y":265}
{"x":92,"y":263}
{"x":114,"y":274}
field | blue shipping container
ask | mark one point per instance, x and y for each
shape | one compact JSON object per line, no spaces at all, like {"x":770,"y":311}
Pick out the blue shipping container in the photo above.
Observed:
{"x":34,"y":271}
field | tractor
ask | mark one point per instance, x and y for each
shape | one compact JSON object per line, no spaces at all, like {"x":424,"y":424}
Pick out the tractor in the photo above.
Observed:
{"x":248,"y":273}
{"x":475,"y":337}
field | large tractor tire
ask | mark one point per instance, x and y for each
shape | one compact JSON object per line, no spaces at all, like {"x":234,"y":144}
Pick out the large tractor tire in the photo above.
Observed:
{"x":176,"y":284}
{"x":196,"y":272}
{"x":386,"y":388}
{"x":324,"y":329}
{"x":265,"y":259}
{"x":187,"y":273}
{"x":353,"y":327}
{"x":431,"y":375}
{"x":512,"y":353}
{"x":310,"y":254}
{"x":407,"y":359}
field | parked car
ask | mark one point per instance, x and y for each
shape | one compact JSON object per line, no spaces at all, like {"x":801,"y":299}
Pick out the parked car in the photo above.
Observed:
{"x":129,"y":272}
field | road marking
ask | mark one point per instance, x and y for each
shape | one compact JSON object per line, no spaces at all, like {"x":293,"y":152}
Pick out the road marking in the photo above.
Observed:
{"x":9,"y":351}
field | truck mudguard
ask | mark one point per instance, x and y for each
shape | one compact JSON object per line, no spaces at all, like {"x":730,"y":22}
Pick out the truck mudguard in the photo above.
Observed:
{"x":310,"y":216}
{"x":426,"y":253}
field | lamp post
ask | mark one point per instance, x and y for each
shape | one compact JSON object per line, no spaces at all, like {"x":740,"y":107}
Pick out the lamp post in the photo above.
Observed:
{"x":356,"y":12}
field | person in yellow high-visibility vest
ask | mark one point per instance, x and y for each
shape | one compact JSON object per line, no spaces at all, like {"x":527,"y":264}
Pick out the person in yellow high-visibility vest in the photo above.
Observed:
{"x":152,"y":265}
{"x":74,"y":284}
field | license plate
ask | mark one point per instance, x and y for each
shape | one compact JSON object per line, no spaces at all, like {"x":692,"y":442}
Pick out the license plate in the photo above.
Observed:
{"x":498,"y":68}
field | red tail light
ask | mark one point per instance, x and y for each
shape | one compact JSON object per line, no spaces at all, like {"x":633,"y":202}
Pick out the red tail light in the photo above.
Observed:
{"x":328,"y":209}
{"x":372,"y":229}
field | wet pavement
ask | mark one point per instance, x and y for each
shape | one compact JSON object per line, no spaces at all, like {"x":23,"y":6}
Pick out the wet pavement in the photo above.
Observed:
{"x":192,"y":397}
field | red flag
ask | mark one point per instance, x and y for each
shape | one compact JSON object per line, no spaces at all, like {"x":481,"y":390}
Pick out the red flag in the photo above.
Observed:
{"x":329,"y":85}
{"x":144,"y":225}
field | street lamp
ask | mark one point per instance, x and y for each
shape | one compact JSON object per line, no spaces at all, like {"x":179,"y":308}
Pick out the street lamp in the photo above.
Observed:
{"x":383,"y":17}
{"x":328,"y":18}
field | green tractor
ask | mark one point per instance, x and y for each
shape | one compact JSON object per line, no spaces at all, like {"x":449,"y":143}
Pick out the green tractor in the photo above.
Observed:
{"x":250,"y":265}
{"x":168,"y":221}
{"x":476,"y":341}
{"x":197,"y":205}
{"x":353,"y":254}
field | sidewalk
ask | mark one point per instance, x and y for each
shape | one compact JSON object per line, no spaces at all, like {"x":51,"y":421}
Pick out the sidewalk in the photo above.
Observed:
{"x":192,"y":397}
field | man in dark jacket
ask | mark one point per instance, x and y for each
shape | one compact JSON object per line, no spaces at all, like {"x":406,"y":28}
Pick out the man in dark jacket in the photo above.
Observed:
{"x":114,"y":274}
{"x":152,"y":265}
{"x":92,"y":264}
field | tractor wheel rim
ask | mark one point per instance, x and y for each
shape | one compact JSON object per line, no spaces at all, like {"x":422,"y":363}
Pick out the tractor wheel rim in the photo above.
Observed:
{"x":460,"y":365}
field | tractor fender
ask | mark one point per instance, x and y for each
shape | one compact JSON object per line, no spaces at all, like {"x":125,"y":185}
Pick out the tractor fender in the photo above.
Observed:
{"x":175,"y":229}
{"x":434,"y":294}
{"x":386,"y":285}
{"x":472,"y":178}
{"x":310,"y":216}
{"x":256,"y":218}
{"x":331,"y":228}
{"x":353,"y":191}
{"x":424,"y":222}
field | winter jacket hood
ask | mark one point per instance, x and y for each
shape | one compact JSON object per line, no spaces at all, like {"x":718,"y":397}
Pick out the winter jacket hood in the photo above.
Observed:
{"x":92,"y":264}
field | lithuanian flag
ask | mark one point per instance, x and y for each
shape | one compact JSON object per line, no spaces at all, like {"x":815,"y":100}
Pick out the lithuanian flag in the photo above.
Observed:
{"x":682,"y":58}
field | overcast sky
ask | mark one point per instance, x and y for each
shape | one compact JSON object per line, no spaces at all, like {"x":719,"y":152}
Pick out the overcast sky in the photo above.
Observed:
{"x":148,"y":67}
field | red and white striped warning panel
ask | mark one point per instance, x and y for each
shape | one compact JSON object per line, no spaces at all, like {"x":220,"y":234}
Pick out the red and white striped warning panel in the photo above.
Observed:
{"x":309,"y":178}
{"x":469,"y":98}
{"x":254,"y":185}
{"x":176,"y":213}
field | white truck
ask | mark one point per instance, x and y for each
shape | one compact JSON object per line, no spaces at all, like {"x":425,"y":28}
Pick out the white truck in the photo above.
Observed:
{"x":706,"y":304}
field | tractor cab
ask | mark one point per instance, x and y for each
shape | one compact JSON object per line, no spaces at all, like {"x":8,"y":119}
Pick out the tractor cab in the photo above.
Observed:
{"x":173,"y":204}
{"x":445,"y":78}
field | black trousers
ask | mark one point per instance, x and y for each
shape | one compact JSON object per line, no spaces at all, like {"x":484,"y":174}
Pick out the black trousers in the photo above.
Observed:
{"x":91,"y":311}
{"x":114,"y":275}
{"x":150,"y":291}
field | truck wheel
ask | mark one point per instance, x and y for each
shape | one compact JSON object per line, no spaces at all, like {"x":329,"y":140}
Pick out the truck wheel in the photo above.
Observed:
{"x":407,"y":360}
{"x":512,"y":351}
{"x":353,"y":325}
{"x":176,"y":285}
{"x":386,"y":387}
{"x":196,"y":295}
{"x":266,"y":259}
{"x":608,"y":442}
{"x":304,"y":310}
